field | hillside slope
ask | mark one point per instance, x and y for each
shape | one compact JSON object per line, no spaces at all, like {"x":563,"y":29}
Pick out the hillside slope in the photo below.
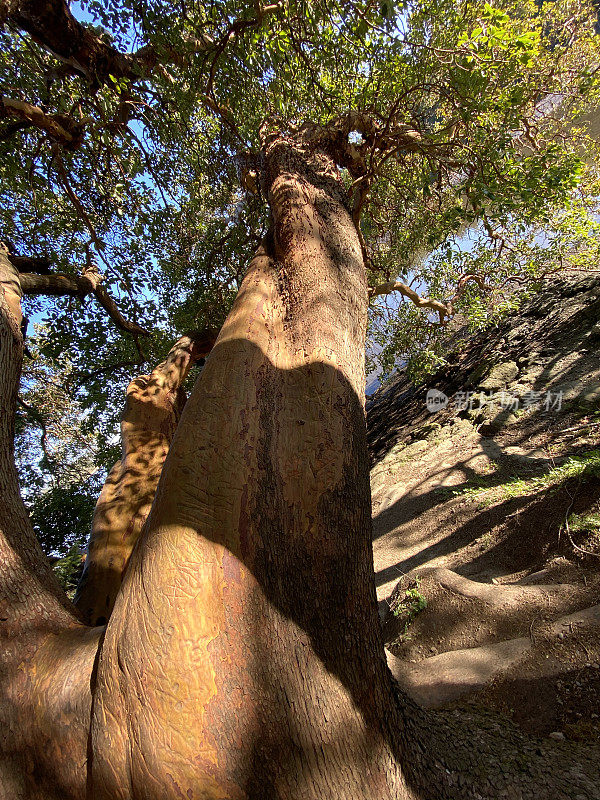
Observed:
{"x":487,"y":519}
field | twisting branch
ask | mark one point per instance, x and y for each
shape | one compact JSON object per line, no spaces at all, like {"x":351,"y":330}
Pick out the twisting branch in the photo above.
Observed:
{"x":64,"y":179}
{"x":52,"y":25}
{"x":462,"y":282}
{"x":38,"y":418}
{"x":81,"y":376}
{"x":376,"y":135}
{"x":445,"y":310}
{"x":421,"y":302}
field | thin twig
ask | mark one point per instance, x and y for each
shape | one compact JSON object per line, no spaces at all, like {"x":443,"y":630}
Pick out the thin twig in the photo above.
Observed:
{"x":84,"y":376}
{"x":64,"y":178}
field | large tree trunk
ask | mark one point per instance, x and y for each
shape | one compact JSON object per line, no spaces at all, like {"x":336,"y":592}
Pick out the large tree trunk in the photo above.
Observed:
{"x":152,"y":411}
{"x":46,"y":655}
{"x":243,"y":658}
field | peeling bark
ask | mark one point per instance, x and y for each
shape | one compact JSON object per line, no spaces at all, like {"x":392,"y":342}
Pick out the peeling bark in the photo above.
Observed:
{"x":152,"y":411}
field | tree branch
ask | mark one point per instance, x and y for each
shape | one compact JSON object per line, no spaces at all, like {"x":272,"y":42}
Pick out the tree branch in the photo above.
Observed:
{"x":29,"y":263}
{"x":64,"y":178}
{"x":444,"y":311}
{"x":52,"y":25}
{"x":59,"y":127}
{"x":109,"y":305}
{"x":84,"y":376}
{"x":384,"y":136}
{"x":79,"y":286}
{"x":38,"y":418}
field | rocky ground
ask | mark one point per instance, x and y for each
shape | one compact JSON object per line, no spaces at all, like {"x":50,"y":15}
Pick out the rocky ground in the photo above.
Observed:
{"x":487,"y":520}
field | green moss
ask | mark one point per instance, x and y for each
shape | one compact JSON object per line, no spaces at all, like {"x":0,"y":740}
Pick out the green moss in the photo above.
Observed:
{"x":584,"y":467}
{"x":585,"y":522}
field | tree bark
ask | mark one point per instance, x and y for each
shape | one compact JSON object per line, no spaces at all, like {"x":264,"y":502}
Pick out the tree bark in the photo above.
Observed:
{"x":46,"y":655}
{"x":152,"y":411}
{"x":59,"y":127}
{"x":244,"y":658}
{"x":51,"y":24}
{"x":12,"y":293}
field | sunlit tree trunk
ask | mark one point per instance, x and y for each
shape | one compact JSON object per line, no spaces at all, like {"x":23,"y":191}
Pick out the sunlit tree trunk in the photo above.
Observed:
{"x":243,"y":658}
{"x":152,"y":410}
{"x":11,"y":287}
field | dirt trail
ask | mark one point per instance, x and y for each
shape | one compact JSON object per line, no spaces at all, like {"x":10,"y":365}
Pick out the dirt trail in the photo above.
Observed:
{"x":487,"y":519}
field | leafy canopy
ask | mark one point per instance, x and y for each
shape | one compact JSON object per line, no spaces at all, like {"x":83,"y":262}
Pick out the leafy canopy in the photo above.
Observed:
{"x":470,"y":128}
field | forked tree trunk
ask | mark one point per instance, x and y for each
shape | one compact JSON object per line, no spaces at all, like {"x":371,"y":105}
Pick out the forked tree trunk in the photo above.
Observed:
{"x":46,"y":655}
{"x":243,"y":658}
{"x":152,"y":411}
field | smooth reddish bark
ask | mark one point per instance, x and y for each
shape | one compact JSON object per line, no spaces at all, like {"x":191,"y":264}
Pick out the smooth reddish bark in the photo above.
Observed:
{"x":243,"y":658}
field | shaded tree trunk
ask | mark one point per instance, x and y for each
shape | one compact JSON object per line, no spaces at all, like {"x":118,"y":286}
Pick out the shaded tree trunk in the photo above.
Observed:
{"x":46,"y":655}
{"x":243,"y":658}
{"x":152,"y":410}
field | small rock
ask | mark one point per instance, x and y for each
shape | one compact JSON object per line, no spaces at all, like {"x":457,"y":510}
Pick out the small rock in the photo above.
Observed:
{"x":561,"y":636}
{"x":500,"y":375}
{"x":558,"y":735}
{"x":591,"y":398}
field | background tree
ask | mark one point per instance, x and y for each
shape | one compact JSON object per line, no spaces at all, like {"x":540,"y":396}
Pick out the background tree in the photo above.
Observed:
{"x":59,"y":457}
